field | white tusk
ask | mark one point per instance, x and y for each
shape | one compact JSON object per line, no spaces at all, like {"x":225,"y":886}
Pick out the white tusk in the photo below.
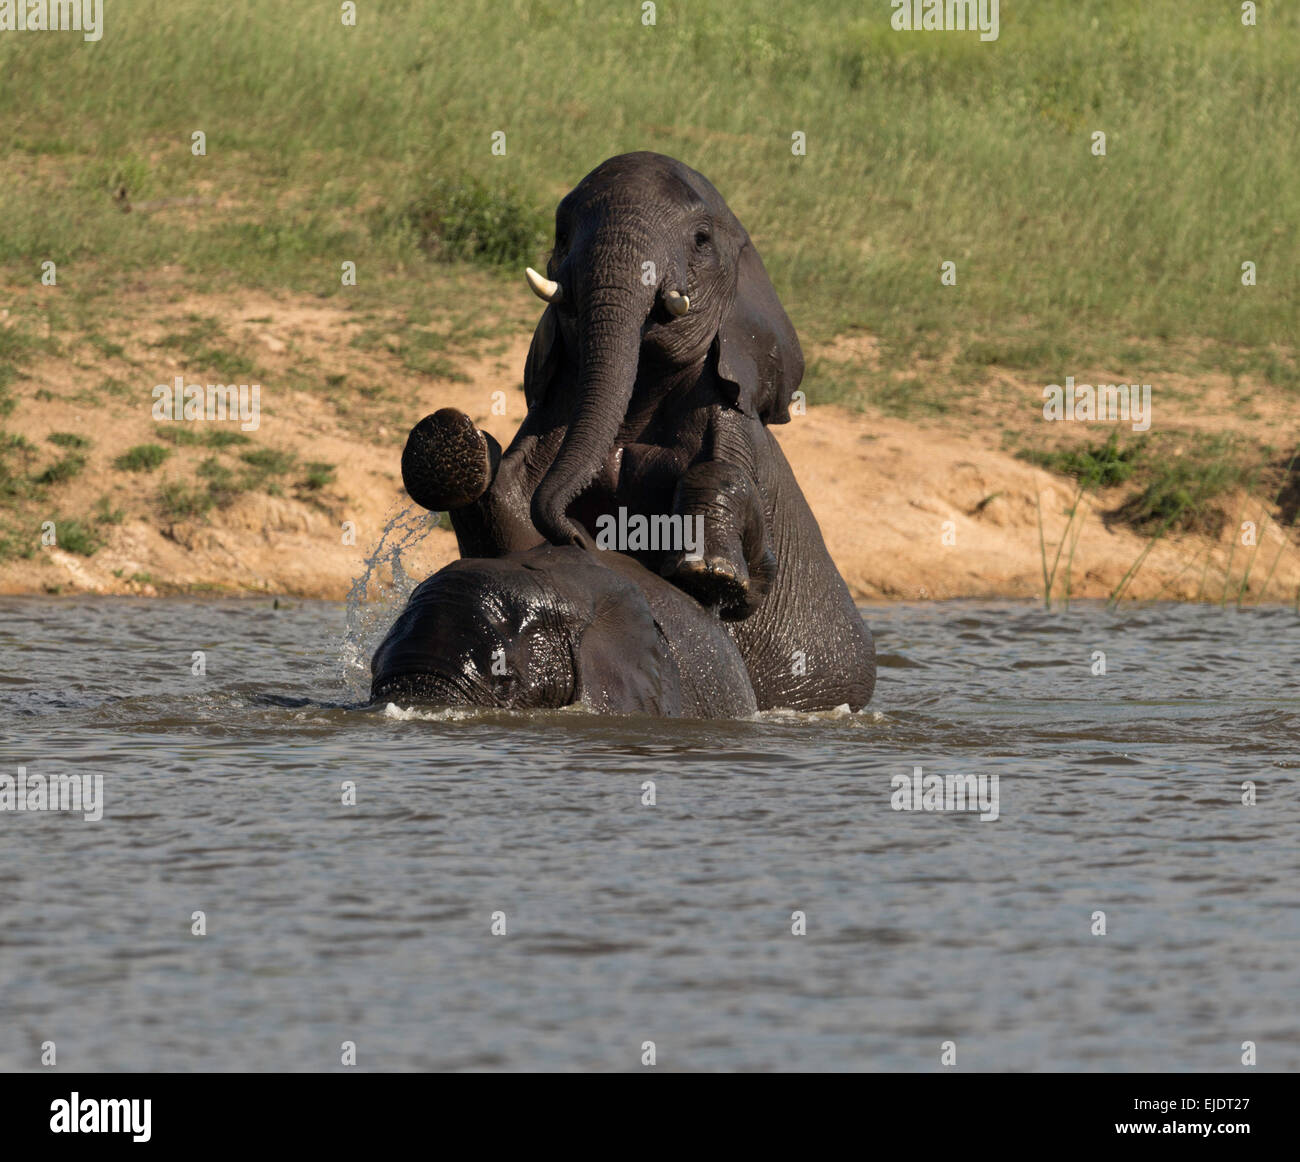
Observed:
{"x":677,"y":303}
{"x":543,"y":288}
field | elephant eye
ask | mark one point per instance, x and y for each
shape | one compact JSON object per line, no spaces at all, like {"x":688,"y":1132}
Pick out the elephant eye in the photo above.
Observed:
{"x":702,"y":238}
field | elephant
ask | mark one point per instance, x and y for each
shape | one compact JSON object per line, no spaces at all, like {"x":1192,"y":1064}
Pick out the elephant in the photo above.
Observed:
{"x":561,"y":626}
{"x":661,"y":358}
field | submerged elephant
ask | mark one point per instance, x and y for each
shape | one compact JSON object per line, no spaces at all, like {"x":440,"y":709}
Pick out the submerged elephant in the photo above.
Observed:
{"x":662,"y":355}
{"x":560,"y":626}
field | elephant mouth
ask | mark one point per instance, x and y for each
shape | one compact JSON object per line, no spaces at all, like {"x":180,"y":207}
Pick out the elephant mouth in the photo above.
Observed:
{"x":427,"y":687}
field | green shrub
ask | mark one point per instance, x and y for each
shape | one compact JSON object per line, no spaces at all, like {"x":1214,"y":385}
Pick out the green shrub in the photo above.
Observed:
{"x":1101,"y":465}
{"x":269,"y":461}
{"x":181,"y":501}
{"x":142,"y":458}
{"x":75,"y":537}
{"x":318,"y":475}
{"x":471,"y":221}
{"x":61,"y":470}
{"x":68,"y":440}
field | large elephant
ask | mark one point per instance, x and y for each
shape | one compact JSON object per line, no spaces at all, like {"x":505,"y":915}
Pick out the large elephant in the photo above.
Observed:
{"x":561,"y":626}
{"x":662,"y":355}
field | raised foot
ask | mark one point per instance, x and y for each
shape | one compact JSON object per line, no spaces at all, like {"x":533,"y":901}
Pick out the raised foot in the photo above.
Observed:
{"x":447,"y":461}
{"x":713,"y":581}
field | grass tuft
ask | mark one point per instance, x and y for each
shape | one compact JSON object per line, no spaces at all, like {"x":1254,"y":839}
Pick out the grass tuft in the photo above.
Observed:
{"x":142,"y":458}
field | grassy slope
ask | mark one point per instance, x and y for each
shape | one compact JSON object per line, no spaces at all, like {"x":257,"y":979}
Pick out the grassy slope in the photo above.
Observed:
{"x":324,"y":143}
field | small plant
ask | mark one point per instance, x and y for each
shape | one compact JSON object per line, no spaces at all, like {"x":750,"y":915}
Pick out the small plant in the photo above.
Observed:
{"x":15,"y":545}
{"x":142,"y":458}
{"x":106,"y":347}
{"x":61,"y":470}
{"x":197,"y":348}
{"x":470,"y":221}
{"x":1184,"y":486}
{"x":8,"y":373}
{"x":188,"y":436}
{"x":218,"y":438}
{"x":319,"y":475}
{"x":181,"y":501}
{"x":182,"y":435}
{"x":75,"y":537}
{"x":111,"y":386}
{"x":14,"y":484}
{"x":269,"y":461}
{"x":106,"y":514}
{"x":223,"y":487}
{"x":68,"y":440}
{"x":1102,"y":465}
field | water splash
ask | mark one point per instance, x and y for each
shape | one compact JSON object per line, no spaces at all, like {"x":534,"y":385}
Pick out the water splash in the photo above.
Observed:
{"x":413,"y":714}
{"x":378,"y":594}
{"x":866,"y":716}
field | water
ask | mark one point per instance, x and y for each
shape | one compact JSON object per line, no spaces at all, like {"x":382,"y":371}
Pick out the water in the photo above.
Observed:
{"x":671,"y":923}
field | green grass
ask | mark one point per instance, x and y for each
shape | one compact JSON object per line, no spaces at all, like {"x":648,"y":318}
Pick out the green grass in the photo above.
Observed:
{"x":142,"y":458}
{"x":199,"y":346}
{"x":16,"y":453}
{"x":106,"y":514}
{"x":908,"y":397}
{"x":61,"y":470}
{"x":472,"y":221}
{"x":319,"y":475}
{"x":269,"y":461}
{"x":1101,"y":465}
{"x":180,"y":501}
{"x":373,"y":145}
{"x":68,"y":440}
{"x":75,"y":537}
{"x":1186,"y":491}
{"x":1178,"y":481}
{"x":185,"y":436}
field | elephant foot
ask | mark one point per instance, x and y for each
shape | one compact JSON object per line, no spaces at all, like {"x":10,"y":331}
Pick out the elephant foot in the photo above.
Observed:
{"x":713,"y":581}
{"x":731,"y":565}
{"x":447,"y":462}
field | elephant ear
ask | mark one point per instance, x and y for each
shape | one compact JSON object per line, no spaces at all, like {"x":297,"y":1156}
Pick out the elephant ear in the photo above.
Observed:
{"x":622,"y":664}
{"x":545,"y":355}
{"x":758,"y":355}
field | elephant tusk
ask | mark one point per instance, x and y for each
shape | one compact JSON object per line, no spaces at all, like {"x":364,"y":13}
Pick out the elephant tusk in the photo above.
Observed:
{"x":677,"y":303}
{"x":543,"y":288}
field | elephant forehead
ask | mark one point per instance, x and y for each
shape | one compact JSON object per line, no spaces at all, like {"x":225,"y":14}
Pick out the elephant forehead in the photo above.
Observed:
{"x":633,"y":179}
{"x":491,"y":585}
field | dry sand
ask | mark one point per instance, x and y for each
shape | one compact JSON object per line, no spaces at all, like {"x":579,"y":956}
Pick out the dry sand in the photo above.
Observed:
{"x":910,"y":510}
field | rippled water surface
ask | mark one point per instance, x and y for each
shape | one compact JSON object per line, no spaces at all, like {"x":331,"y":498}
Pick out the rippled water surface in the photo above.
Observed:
{"x":668,"y":923}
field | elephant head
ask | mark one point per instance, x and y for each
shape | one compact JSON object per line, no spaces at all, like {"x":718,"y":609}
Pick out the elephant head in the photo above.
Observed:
{"x":547,"y":628}
{"x":651,"y":275}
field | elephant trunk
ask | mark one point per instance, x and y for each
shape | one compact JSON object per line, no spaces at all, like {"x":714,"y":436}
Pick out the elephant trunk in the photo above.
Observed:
{"x":609,"y":343}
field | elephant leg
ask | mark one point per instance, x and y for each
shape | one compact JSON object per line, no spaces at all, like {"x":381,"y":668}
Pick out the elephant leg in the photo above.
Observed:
{"x":734,"y":566}
{"x":731,"y":565}
{"x":449,"y":465}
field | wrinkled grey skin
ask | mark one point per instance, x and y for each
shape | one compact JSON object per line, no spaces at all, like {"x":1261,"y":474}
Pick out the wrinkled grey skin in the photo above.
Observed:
{"x":629,"y":406}
{"x":560,"y":626}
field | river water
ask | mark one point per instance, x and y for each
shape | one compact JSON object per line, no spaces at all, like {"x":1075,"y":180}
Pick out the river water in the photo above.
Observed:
{"x":1118,"y":792}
